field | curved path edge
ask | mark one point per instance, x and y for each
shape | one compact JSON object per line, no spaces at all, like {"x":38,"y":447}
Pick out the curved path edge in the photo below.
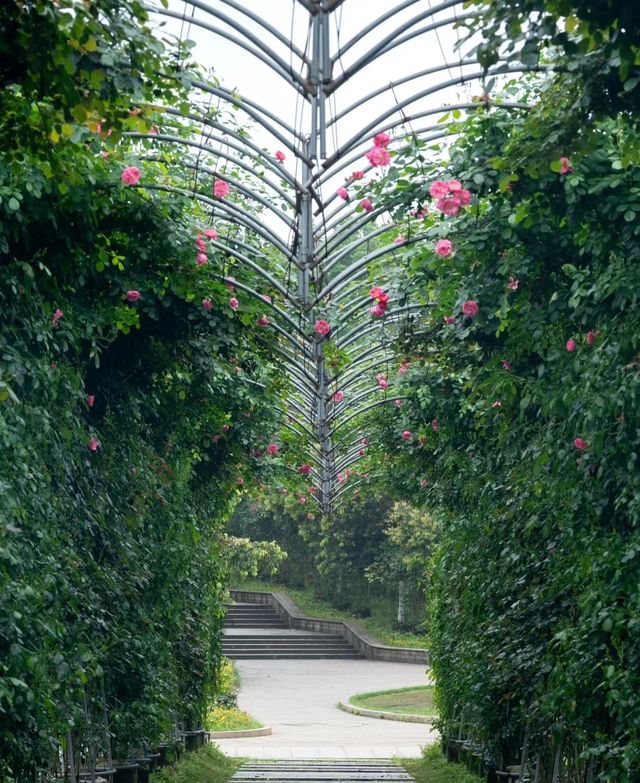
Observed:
{"x":262,"y":732}
{"x":404,"y":718}
{"x":362,"y":640}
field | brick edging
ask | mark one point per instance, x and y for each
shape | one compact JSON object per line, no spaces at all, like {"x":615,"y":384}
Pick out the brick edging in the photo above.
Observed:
{"x":362,"y":640}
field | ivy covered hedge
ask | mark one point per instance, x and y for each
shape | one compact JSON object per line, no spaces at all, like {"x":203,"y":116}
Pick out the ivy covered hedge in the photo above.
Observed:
{"x":129,"y":392}
{"x":522,"y":430}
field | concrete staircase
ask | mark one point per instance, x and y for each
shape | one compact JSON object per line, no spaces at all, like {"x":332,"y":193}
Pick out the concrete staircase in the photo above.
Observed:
{"x":273,"y":639}
{"x":375,"y":771}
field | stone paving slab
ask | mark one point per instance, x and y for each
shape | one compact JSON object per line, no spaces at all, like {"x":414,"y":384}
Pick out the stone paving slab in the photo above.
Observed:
{"x":298,"y":700}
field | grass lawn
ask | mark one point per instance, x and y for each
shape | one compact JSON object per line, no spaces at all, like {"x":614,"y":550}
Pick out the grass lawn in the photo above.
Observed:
{"x":207,"y":765}
{"x":406,"y":701}
{"x":311,"y":606}
{"x":434,"y":768}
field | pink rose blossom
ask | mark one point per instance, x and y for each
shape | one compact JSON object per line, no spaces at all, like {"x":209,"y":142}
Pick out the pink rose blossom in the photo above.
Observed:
{"x":263,"y":321}
{"x":280,"y":155}
{"x":58,"y":314}
{"x":361,"y":453}
{"x":91,"y":400}
{"x":449,"y":319}
{"x":377,"y":311}
{"x":403,"y":369}
{"x":304,"y":469}
{"x":220,"y":188}
{"x":229,"y":283}
{"x":378,"y":156}
{"x":570,"y":345}
{"x":211,"y":233}
{"x":131,"y":175}
{"x":200,"y":244}
{"x":399,"y":240}
{"x":424,"y":482}
{"x":454,"y":186}
{"x":580,"y":443}
{"x":357,"y":175}
{"x":450,"y":207}
{"x":496,"y":404}
{"x":381,"y":140}
{"x":338,"y":396}
{"x":272,"y":448}
{"x":398,"y":403}
{"x":565,"y":166}
{"x":438,"y":189}
{"x":470,"y":308}
{"x":406,"y":435}
{"x":234,"y":303}
{"x":366,"y":205}
{"x":94,"y":443}
{"x":383,"y":383}
{"x":591,"y":337}
{"x":207,"y":305}
{"x":201,"y":259}
{"x":302,"y":500}
{"x":365,"y":441}
{"x":239,"y":481}
{"x":267,"y":298}
{"x":343,"y":193}
{"x":513,"y":284}
{"x":322,"y":327}
{"x":133,"y":296}
{"x":443,"y":247}
{"x":506,"y":365}
{"x":435,"y":426}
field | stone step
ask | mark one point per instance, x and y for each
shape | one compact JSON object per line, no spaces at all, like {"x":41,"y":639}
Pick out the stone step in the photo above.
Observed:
{"x":321,"y":772}
{"x":280,"y":637}
{"x":301,"y":656}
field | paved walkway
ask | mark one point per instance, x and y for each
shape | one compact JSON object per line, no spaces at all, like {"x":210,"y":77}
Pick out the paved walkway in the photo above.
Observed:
{"x":298,"y":700}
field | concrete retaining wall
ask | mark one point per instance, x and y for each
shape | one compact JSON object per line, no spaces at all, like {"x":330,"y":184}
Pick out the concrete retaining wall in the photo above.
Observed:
{"x":360,"y":639}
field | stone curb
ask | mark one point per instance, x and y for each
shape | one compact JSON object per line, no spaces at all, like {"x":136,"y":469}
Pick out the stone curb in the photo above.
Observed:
{"x":385,"y":715}
{"x":263,"y":732}
{"x":363,"y":641}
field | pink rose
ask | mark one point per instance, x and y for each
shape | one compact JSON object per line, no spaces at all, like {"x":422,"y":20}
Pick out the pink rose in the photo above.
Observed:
{"x":399,"y":240}
{"x":239,"y":481}
{"x":435,"y":426}
{"x":449,"y":319}
{"x":506,"y":365}
{"x":398,"y":403}
{"x":58,"y":314}
{"x":580,"y":443}
{"x":424,"y":482}
{"x":449,"y":206}
{"x":304,"y":469}
{"x":470,"y":308}
{"x":234,"y":303}
{"x":496,"y":404}
{"x":211,"y":233}
{"x":338,"y":396}
{"x":280,"y":156}
{"x":91,"y":399}
{"x":263,"y":321}
{"x":443,"y":247}
{"x":267,"y":298}
{"x":322,"y":327}
{"x":272,"y":448}
{"x":94,"y":443}
{"x":513,"y":284}
{"x":220,"y":188}
{"x":570,"y":345}
{"x":404,"y":367}
{"x":365,"y":441}
{"x":454,"y":186}
{"x":378,"y":156}
{"x":406,"y":435}
{"x":565,"y":165}
{"x":201,"y":259}
{"x":591,"y":337}
{"x":377,"y":310}
{"x":383,"y":383}
{"x":207,"y":305}
{"x":366,"y":205}
{"x":131,"y":175}
{"x":438,"y":189}
{"x":133,"y":296}
{"x":381,"y":140}
{"x":343,"y":193}
{"x":357,"y":175}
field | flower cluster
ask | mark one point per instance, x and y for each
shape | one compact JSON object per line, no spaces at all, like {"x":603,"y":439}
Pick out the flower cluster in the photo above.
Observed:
{"x":383,"y":383}
{"x":450,"y":196}
{"x":381,"y":299}
{"x":378,"y":155}
{"x":220,"y":188}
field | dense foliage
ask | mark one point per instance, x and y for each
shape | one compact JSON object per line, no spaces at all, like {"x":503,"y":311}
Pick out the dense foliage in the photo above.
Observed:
{"x":125,"y":415}
{"x":522,"y":432}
